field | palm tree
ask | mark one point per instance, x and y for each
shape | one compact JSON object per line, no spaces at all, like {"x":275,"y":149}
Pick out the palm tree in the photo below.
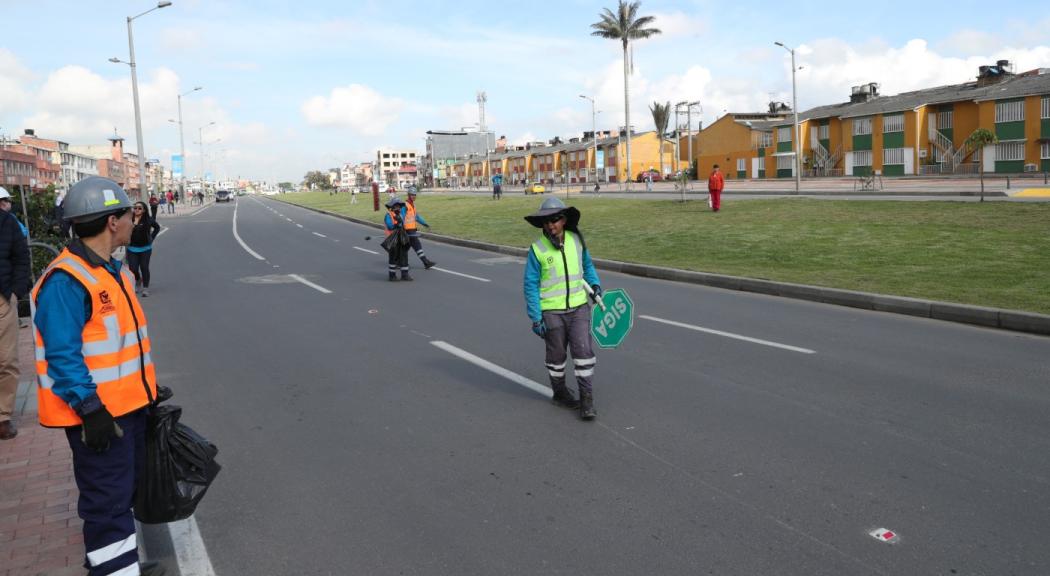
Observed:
{"x":980,"y":138}
{"x":661,"y":115}
{"x":625,"y":25}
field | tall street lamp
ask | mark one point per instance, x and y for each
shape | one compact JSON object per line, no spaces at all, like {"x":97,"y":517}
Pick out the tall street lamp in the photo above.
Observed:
{"x":200,"y":140}
{"x":135,"y":94}
{"x":594,"y":134}
{"x":182,"y":142}
{"x":688,"y":134}
{"x":794,"y":107}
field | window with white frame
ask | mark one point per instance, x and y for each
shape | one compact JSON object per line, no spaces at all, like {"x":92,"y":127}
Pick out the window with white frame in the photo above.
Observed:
{"x":785,"y":162}
{"x":1044,"y":151}
{"x":1044,"y":107}
{"x":784,"y":134}
{"x":944,"y":119}
{"x":822,"y":132}
{"x":741,"y":164}
{"x":893,"y":123}
{"x":1009,"y":111}
{"x":893,"y":156}
{"x":861,"y":126}
{"x":862,"y":158}
{"x":765,"y":140}
{"x":1009,"y":151}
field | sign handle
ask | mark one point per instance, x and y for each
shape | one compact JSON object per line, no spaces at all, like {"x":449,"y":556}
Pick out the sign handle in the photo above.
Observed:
{"x":590,"y":292}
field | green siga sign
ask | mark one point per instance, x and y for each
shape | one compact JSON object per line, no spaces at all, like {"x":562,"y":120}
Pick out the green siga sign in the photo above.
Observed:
{"x":610,"y":325}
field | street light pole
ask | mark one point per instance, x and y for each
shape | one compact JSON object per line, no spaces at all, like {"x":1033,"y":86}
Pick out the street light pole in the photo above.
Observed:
{"x":182,"y":144}
{"x":594,"y":134}
{"x":200,"y":140}
{"x":135,"y":97}
{"x":794,"y":108}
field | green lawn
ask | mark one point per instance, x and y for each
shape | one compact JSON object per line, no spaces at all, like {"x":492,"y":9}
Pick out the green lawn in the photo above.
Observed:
{"x":991,"y":254}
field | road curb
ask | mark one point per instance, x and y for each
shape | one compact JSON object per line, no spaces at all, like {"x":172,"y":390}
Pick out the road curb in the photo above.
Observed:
{"x":1014,"y":320}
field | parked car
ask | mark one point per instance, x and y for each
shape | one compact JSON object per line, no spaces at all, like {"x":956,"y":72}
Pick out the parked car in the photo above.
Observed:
{"x":535,"y":188}
{"x":223,"y":196}
{"x":657,"y":177}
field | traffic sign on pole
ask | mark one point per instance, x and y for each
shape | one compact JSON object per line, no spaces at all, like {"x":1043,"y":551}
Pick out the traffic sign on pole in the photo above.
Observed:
{"x":611,"y":323}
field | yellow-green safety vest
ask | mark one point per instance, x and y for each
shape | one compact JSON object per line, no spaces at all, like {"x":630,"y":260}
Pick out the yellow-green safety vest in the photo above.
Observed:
{"x":561,"y":273}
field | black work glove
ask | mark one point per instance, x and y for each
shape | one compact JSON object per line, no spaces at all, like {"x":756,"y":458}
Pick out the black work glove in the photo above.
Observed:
{"x":98,"y":429}
{"x":597,"y":292}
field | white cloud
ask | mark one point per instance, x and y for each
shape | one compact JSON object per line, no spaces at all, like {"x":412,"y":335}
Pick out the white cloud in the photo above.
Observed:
{"x":13,"y":81}
{"x":968,"y":42}
{"x":357,"y":107}
{"x":678,"y":25}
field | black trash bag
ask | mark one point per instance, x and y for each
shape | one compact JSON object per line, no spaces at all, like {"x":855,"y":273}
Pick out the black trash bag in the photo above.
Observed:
{"x":180,"y":465}
{"x":395,"y":241}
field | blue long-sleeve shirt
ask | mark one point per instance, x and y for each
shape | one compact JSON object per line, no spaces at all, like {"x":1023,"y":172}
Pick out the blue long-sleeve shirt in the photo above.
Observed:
{"x":63,"y":307}
{"x":532,"y":282}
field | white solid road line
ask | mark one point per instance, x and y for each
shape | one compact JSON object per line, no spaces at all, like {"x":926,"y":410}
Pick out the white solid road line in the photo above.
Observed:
{"x":321,"y":235}
{"x":461,"y":274}
{"x":309,"y":283}
{"x":238,"y":237}
{"x":730,"y":335}
{"x":190,"y":552}
{"x":299,"y":225}
{"x":512,"y":376}
{"x":365,"y":250}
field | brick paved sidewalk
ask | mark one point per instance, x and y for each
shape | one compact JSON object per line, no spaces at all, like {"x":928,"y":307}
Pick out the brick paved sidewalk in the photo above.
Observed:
{"x":40,"y":533}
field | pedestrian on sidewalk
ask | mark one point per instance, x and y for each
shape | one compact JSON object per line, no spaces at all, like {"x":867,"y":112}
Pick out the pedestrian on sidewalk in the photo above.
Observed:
{"x":556,"y":301}
{"x":95,"y":375}
{"x":395,"y":219}
{"x":171,"y":202}
{"x":715,"y":183}
{"x":353,"y":194}
{"x":153,"y":205}
{"x":14,"y":286}
{"x":412,"y":221}
{"x":140,"y":249}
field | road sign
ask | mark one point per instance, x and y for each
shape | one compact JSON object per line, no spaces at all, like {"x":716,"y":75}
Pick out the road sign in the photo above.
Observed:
{"x":611,"y":325}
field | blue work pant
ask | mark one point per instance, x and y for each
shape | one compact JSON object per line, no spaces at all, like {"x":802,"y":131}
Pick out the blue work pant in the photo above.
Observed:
{"x":107,"y":490}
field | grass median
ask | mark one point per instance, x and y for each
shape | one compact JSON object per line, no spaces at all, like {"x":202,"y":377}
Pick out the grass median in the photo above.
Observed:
{"x":988,"y":254}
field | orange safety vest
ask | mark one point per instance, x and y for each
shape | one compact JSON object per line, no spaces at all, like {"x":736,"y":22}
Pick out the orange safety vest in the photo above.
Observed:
{"x":394,"y":215}
{"x":116,"y":345}
{"x":410,"y":217}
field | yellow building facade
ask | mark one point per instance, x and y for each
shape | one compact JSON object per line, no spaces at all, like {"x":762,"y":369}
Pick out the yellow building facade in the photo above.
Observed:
{"x":913,"y":133}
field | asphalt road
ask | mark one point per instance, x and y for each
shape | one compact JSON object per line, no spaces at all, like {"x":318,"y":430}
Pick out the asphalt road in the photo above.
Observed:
{"x":353,"y":442}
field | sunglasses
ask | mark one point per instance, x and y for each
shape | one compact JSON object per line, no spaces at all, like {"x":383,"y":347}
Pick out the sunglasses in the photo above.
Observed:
{"x":555,"y":218}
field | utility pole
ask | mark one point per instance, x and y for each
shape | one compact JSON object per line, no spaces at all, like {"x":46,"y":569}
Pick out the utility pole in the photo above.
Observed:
{"x":794,"y":107}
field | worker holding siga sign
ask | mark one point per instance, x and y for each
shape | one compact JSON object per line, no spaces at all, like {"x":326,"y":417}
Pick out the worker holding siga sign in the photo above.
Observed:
{"x":559,"y":275}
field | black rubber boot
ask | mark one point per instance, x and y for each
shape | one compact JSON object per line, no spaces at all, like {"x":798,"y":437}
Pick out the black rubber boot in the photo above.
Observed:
{"x":428,"y":263}
{"x":392,"y":277}
{"x":562,"y":397}
{"x":405,"y":277}
{"x":587,"y":411}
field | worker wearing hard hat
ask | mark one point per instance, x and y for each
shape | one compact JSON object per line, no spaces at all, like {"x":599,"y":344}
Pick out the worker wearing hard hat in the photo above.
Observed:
{"x":557,"y":268}
{"x":95,"y":373}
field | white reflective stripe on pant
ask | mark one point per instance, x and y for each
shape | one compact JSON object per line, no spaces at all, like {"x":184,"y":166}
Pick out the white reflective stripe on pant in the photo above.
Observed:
{"x":111,"y":551}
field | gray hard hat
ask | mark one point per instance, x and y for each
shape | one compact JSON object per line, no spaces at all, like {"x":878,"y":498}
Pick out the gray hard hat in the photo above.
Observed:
{"x":394,"y":202}
{"x":551,"y":206}
{"x":4,"y":195}
{"x":94,"y":197}
{"x":412,"y":191}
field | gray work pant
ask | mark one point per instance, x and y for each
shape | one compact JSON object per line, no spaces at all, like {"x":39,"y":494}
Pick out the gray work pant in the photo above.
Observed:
{"x":570,"y":330}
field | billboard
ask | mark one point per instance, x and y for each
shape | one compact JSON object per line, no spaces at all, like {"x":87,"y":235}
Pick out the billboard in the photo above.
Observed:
{"x":176,"y":166}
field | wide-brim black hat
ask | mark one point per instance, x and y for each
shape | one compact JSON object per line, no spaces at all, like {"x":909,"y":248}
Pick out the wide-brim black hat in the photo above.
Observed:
{"x":572,"y":216}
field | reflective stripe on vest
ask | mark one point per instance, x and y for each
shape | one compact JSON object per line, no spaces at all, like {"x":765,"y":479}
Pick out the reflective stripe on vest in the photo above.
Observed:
{"x":410,"y":217}
{"x":116,"y":345}
{"x":561,"y":273}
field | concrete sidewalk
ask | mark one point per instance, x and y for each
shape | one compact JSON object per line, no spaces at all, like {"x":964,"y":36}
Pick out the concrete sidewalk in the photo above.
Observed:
{"x":40,"y":532}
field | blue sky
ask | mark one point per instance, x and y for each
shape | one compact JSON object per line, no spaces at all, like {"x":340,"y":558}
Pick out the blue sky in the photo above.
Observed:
{"x":310,"y":85}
